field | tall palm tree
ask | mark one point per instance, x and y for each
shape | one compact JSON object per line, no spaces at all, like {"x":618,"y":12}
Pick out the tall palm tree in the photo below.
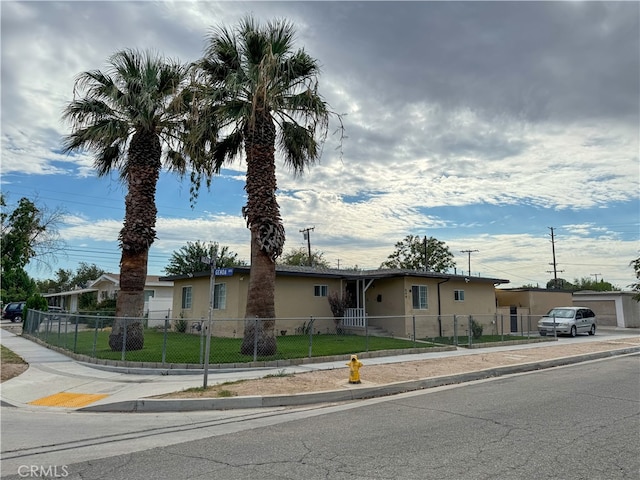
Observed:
{"x":125,"y":116}
{"x":256,"y":93}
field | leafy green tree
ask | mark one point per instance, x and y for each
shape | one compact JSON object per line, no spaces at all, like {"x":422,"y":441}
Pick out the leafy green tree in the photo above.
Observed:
{"x":636,"y":286}
{"x":27,"y":233}
{"x":586,"y":283}
{"x":411,"y":254}
{"x":188,"y":258}
{"x":300,"y":256}
{"x":258,"y":94}
{"x":132,"y":118}
{"x":560,"y":284}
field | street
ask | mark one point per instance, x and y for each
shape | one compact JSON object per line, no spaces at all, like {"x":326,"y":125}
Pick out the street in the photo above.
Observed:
{"x":577,"y":422}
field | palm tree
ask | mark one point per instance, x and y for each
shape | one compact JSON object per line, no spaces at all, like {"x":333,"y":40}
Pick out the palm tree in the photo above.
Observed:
{"x":258,"y":93}
{"x":125,"y":117}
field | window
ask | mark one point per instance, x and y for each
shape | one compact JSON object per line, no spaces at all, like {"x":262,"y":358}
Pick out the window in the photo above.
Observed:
{"x":320,"y":290}
{"x":458,"y":295}
{"x":186,"y":297}
{"x":419,"y":295}
{"x":149,"y":294}
{"x":220,"y":296}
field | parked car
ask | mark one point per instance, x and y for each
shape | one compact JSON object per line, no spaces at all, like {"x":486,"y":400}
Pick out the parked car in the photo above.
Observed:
{"x":13,"y":311}
{"x":568,"y":321}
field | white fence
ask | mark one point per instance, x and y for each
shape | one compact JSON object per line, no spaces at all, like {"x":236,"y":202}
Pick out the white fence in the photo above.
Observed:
{"x":354,"y":317}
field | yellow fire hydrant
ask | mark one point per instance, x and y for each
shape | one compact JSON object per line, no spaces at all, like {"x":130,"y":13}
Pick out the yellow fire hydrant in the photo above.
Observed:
{"x":354,"y":369}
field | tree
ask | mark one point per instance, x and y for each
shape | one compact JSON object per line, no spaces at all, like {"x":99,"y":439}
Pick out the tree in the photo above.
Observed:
{"x":27,"y":232}
{"x":636,"y":286}
{"x":300,"y":256}
{"x":559,"y":284}
{"x":410,"y":254}
{"x":586,"y":283}
{"x":188,"y":258}
{"x":132,"y":118}
{"x":256,"y":93}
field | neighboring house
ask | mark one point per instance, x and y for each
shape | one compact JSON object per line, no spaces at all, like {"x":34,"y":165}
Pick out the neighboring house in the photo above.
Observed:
{"x":617,"y":309}
{"x":158,"y":294}
{"x":388,"y":297}
{"x":524,"y":306}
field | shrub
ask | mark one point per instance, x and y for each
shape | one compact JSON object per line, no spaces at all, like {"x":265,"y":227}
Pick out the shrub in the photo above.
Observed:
{"x":180,"y":325}
{"x":476,"y":329}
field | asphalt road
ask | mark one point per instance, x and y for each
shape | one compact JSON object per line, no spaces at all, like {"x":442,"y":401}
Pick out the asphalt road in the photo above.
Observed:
{"x":577,"y":422}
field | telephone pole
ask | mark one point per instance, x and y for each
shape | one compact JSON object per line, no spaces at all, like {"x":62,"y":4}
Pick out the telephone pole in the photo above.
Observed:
{"x":595,"y":275}
{"x":469,"y":252}
{"x":555,"y":265}
{"x":306,"y":235}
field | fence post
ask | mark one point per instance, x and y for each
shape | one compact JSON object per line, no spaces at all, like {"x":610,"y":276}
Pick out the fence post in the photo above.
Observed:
{"x":75,"y":335}
{"x":95,"y":337}
{"x":414,"y":331}
{"x":502,"y":327}
{"x":470,"y":332}
{"x":124,"y":339}
{"x":555,"y":328}
{"x":455,"y":330}
{"x":255,"y":340}
{"x":202,"y":334}
{"x":310,"y":336}
{"x":164,"y":341}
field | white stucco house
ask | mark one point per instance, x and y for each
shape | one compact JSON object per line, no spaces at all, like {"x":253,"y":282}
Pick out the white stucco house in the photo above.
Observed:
{"x":158,"y":294}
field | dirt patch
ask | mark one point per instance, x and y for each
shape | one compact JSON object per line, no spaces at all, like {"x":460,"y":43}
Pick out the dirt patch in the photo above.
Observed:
{"x":10,"y":370}
{"x":373,"y":375}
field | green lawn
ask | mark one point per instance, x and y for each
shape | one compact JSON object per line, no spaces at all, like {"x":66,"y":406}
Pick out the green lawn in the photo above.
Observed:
{"x":187,"y":348}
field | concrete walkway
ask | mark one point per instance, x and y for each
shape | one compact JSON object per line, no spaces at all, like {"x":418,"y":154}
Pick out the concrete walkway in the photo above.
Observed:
{"x":55,"y":381}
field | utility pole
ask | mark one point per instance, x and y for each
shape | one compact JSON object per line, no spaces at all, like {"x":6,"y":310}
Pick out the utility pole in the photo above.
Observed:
{"x":426,"y":255}
{"x":306,"y":235}
{"x":555,"y":270}
{"x":596,"y":275}
{"x":469,"y":252}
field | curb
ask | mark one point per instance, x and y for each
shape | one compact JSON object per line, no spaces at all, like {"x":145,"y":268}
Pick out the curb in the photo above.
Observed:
{"x":189,"y":405}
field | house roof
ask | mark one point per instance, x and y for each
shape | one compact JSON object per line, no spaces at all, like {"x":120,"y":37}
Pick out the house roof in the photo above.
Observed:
{"x":303,"y":271}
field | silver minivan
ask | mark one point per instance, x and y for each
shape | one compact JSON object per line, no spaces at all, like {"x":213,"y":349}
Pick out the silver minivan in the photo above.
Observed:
{"x":568,"y":321}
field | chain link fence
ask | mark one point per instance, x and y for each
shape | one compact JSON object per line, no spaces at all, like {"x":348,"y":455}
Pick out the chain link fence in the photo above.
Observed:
{"x":184,"y":342}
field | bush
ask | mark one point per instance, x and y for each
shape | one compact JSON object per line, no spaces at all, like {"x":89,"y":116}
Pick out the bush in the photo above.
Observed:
{"x":476,"y":329}
{"x":180,"y":325}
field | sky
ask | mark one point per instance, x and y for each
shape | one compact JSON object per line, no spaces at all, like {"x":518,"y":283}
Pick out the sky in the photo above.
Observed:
{"x":482,"y":124}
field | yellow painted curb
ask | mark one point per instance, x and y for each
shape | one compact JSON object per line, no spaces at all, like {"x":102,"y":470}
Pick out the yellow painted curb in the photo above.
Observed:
{"x":69,"y":400}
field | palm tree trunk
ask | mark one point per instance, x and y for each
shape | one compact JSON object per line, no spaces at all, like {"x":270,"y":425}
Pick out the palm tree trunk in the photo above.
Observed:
{"x":136,"y":237}
{"x":267,"y":235}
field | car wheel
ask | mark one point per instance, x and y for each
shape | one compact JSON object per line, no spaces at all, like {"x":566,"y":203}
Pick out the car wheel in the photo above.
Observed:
{"x":18,"y":318}
{"x":593,"y":330}
{"x":574,"y":332}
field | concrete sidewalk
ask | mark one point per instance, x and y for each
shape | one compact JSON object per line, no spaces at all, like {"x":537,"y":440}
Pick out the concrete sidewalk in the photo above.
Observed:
{"x":54,"y":381}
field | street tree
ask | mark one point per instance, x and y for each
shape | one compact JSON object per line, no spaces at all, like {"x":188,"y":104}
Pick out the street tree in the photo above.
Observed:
{"x":414,"y":253}
{"x":300,"y":256}
{"x":27,"y":233}
{"x":188,"y":259}
{"x":132,"y":119}
{"x":257,"y":94}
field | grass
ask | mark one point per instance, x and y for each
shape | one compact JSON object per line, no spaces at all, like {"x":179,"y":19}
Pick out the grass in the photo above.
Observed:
{"x":188,"y":348}
{"x":10,"y":357}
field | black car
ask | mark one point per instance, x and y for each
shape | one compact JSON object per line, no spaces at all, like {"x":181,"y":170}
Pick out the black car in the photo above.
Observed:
{"x":13,"y":311}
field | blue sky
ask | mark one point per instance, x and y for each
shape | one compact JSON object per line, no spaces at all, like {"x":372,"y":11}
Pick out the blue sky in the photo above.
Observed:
{"x":481,"y":124}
